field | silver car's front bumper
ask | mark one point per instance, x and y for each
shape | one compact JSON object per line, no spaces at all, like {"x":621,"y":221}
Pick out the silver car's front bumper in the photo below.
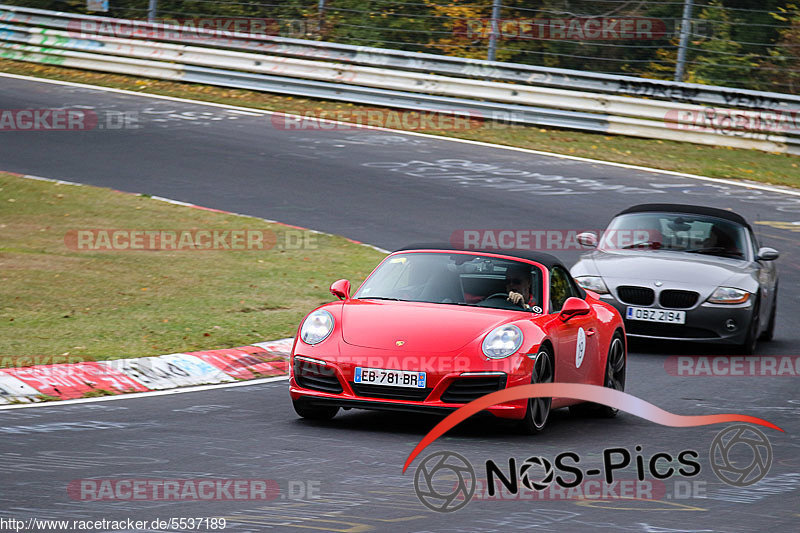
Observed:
{"x":704,"y":323}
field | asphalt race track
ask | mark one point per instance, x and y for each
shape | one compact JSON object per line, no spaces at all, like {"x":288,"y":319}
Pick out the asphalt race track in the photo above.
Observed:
{"x":389,"y":190}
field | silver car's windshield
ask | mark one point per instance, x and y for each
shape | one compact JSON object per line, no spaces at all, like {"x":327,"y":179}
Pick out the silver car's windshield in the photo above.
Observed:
{"x":680,"y":232}
{"x":447,"y":278}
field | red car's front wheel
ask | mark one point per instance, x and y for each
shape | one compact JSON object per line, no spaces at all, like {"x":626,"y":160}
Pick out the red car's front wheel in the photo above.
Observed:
{"x":538,"y":410}
{"x":314,"y":412}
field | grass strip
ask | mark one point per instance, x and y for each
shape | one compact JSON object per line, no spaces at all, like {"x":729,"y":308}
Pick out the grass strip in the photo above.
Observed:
{"x":91,"y":303}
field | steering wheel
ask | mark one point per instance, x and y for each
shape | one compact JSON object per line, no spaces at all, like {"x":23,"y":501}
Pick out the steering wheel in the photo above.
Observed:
{"x":504,"y":296}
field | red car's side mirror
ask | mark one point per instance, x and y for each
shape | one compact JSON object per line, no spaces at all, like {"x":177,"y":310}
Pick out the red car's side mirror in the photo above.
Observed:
{"x":574,"y":307}
{"x":341,"y":289}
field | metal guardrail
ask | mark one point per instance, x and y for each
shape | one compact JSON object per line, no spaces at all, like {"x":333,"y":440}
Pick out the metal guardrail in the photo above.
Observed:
{"x":692,"y":93}
{"x":30,"y":38}
{"x":302,"y":87}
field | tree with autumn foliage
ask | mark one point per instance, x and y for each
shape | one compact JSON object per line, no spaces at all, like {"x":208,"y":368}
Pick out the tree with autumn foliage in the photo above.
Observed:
{"x":462,"y":29}
{"x":783,"y":66}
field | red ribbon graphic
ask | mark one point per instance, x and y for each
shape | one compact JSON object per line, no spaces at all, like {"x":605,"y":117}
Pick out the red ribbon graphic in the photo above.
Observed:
{"x":590,"y":393}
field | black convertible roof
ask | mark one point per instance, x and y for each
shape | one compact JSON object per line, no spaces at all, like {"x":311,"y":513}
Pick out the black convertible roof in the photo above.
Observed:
{"x":690,"y":209}
{"x":540,"y":257}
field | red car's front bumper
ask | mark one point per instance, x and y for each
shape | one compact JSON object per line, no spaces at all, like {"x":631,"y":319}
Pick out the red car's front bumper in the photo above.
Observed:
{"x":451,"y":381}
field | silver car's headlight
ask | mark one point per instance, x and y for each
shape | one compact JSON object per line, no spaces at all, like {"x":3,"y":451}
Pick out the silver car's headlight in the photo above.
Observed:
{"x":502,"y":342}
{"x":316,"y":327}
{"x":728,"y":295}
{"x":593,"y":283}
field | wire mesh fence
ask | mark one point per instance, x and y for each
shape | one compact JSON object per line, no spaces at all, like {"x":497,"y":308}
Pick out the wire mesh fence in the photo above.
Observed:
{"x":735,"y":43}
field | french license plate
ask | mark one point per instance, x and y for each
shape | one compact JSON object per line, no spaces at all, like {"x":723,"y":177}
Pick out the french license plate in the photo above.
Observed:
{"x":392,"y":378}
{"x":656,"y":315}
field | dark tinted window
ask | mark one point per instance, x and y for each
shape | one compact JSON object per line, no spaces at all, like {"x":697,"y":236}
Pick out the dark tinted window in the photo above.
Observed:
{"x":561,"y":288}
{"x":676,"y":232}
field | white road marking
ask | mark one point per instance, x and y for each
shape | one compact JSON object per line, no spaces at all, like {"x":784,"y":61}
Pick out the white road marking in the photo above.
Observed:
{"x":240,"y":112}
{"x":171,"y":201}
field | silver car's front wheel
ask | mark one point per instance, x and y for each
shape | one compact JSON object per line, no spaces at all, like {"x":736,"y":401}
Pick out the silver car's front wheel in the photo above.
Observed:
{"x":769,"y":333}
{"x":748,"y":347}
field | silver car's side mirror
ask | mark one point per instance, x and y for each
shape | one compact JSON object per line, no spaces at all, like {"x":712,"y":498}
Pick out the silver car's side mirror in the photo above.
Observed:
{"x":587,"y":238}
{"x":766,"y":254}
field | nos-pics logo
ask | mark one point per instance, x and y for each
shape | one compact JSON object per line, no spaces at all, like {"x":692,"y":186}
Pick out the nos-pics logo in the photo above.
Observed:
{"x":445,"y":481}
{"x":723,"y":460}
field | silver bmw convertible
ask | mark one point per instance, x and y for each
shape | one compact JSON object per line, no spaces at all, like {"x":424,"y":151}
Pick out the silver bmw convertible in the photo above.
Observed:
{"x":682,"y":272}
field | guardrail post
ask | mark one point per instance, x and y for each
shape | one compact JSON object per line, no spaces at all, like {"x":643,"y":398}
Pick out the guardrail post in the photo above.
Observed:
{"x":496,"y":7}
{"x":686,"y":24}
{"x":152,"y":8}
{"x":320,"y":19}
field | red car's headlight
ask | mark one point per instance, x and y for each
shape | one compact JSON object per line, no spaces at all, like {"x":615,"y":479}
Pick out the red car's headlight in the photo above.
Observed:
{"x":502,"y":342}
{"x":316,"y":327}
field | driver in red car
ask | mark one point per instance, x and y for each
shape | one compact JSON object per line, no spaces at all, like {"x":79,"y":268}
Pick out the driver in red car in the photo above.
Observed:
{"x":518,"y":285}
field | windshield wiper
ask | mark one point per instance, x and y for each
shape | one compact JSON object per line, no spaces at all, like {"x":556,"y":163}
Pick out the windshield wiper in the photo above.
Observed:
{"x":443,"y":303}
{"x":713,"y":250}
{"x":647,"y":244}
{"x":529,"y":309}
{"x":706,"y":250}
{"x":379,"y":298}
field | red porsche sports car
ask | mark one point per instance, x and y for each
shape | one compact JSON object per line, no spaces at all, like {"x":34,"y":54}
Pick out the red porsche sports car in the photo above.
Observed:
{"x":433,"y":328}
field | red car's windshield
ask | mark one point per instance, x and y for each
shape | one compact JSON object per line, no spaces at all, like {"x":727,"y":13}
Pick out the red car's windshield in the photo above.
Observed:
{"x":447,"y":278}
